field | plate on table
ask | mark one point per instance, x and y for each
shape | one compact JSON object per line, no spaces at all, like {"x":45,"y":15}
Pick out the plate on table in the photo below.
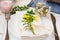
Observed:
{"x":16,"y":27}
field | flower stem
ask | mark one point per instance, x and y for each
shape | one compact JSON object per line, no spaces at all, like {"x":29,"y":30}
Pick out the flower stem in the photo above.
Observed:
{"x":31,"y":28}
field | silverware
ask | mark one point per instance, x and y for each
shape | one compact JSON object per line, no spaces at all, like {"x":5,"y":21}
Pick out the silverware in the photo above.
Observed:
{"x":54,"y":24}
{"x":7,"y":17}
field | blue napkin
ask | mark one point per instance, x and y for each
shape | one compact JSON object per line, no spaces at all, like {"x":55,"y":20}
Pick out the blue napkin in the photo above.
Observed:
{"x":54,"y":7}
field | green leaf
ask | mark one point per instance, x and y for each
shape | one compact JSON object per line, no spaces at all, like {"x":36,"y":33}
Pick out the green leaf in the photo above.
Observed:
{"x":18,"y":8}
{"x":31,"y":12}
{"x":31,"y":28}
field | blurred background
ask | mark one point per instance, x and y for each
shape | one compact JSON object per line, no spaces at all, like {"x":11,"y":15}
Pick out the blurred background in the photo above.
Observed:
{"x":55,"y":5}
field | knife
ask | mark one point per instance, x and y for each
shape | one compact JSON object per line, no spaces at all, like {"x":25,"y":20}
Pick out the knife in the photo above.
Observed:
{"x":54,"y":24}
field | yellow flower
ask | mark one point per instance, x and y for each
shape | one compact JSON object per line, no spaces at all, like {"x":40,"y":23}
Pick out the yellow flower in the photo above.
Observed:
{"x":35,"y":18}
{"x":26,"y":16}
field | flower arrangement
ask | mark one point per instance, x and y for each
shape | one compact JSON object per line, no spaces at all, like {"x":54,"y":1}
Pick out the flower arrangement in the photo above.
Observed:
{"x":41,"y":9}
{"x":28,"y":18}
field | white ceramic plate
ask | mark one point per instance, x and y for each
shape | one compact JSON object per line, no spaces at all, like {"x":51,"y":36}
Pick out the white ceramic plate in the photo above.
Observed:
{"x":15,"y":26}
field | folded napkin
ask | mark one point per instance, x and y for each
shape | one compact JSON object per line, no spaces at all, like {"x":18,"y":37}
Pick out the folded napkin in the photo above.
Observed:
{"x":45,"y":25}
{"x":44,"y":22}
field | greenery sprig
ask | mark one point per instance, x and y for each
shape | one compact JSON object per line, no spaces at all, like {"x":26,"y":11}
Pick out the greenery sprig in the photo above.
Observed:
{"x":28,"y":18}
{"x":18,"y":8}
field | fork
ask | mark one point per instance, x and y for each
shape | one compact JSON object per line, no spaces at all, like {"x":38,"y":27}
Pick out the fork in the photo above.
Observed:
{"x":54,"y":24}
